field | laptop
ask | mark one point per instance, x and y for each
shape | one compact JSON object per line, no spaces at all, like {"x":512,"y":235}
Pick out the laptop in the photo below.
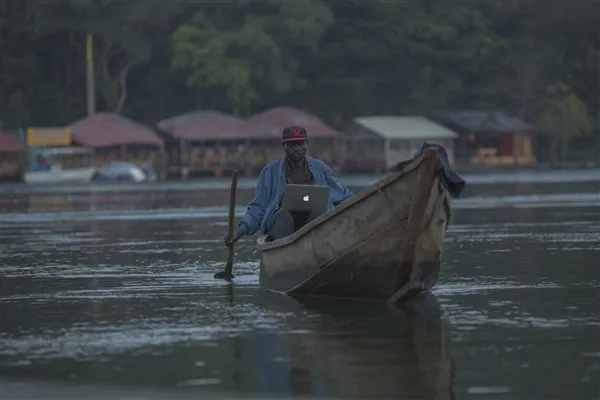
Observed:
{"x":308,"y":198}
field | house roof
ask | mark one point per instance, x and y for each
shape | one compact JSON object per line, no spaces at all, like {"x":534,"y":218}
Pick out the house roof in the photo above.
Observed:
{"x":9,"y":144}
{"x":391,"y":127}
{"x":484,"y":121}
{"x":206,"y":125}
{"x":108,"y":129}
{"x":270,"y":123}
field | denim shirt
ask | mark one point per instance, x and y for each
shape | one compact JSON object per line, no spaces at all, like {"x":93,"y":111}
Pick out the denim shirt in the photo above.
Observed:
{"x":269,"y":192}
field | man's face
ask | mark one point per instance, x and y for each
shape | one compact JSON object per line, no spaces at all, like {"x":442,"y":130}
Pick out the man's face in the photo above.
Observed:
{"x":295,"y":150}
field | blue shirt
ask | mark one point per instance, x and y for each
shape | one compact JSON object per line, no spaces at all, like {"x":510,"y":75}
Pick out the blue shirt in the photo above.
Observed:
{"x":269,"y":192}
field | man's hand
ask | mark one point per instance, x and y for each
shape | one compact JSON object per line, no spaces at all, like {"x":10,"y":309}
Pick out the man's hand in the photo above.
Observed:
{"x":231,"y":241}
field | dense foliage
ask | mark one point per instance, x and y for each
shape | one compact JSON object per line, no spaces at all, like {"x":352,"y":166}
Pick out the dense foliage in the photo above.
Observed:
{"x":336,"y":59}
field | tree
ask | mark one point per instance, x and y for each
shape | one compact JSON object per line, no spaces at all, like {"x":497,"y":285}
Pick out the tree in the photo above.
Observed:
{"x":17,"y":30}
{"x":250,"y":56}
{"x":334,"y":59}
{"x":204,"y":52}
{"x":564,"y":116}
{"x":120,"y":43}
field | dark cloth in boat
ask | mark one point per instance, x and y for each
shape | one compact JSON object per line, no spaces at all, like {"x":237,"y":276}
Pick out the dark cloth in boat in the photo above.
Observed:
{"x":450,"y":179}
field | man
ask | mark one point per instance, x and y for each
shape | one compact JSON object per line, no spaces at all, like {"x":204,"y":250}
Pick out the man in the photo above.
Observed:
{"x":264,"y":211}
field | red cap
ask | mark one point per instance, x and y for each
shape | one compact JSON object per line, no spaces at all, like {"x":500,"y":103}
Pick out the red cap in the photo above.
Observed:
{"x":293,"y":133}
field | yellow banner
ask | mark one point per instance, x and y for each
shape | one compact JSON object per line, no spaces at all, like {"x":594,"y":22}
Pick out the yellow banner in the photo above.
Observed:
{"x":42,"y":137}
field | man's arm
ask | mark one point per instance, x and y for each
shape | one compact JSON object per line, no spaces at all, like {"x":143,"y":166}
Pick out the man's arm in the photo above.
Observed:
{"x":339,"y":192}
{"x":255,"y":211}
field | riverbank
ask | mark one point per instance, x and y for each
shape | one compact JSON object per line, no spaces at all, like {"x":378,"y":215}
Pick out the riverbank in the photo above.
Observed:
{"x":472,"y":178}
{"x":491,"y":169}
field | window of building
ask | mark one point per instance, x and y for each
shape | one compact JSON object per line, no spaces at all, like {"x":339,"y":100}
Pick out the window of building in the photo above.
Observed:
{"x":399,"y":144}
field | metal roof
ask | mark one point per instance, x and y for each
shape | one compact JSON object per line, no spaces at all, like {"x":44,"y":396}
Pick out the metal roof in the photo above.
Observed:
{"x":405,"y":127}
{"x":206,"y":125}
{"x":485,"y":121}
{"x":108,"y":129}
{"x":9,"y":144}
{"x":270,"y":123}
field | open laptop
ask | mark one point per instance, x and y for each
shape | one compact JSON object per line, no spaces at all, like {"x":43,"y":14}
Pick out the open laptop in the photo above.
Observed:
{"x":309,"y":198}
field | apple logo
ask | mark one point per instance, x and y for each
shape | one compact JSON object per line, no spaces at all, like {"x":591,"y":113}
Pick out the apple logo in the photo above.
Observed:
{"x":306,"y":198}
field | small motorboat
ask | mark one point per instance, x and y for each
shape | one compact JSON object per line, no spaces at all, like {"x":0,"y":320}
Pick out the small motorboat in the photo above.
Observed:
{"x":120,"y":171}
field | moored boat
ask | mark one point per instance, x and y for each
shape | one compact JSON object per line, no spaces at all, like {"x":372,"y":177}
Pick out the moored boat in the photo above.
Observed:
{"x":383,"y":244}
{"x":124,"y":171}
{"x":61,"y":164}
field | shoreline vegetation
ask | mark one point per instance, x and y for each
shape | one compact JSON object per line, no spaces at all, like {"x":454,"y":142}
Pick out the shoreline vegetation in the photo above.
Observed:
{"x":335,"y":60}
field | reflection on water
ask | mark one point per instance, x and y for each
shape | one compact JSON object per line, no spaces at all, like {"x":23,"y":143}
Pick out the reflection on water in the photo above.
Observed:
{"x":111,"y":295}
{"x":114,"y":207}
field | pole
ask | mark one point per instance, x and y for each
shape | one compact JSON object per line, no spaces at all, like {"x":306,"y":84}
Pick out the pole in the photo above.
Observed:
{"x":227,"y":272}
{"x":90,"y":79}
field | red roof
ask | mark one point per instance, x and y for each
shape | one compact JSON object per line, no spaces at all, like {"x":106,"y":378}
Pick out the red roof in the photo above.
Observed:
{"x":205,"y":125}
{"x":9,"y":144}
{"x":108,"y":129}
{"x":270,"y":123}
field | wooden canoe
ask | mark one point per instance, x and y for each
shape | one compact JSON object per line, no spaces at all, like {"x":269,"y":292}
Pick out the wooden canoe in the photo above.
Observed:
{"x":383,"y":244}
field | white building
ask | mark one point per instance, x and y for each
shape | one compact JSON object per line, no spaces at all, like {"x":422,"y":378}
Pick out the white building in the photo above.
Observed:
{"x":378,"y":143}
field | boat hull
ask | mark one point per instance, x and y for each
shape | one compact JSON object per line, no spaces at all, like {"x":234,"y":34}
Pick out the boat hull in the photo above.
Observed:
{"x":384,"y":244}
{"x":61,"y":175}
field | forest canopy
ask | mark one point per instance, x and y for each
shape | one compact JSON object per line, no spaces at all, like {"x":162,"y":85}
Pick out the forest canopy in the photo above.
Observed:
{"x":154,"y":60}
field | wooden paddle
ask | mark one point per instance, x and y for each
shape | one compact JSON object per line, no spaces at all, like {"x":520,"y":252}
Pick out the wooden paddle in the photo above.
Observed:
{"x":227,"y":272}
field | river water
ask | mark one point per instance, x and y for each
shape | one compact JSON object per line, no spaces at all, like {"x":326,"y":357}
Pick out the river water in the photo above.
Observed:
{"x":107,"y":293}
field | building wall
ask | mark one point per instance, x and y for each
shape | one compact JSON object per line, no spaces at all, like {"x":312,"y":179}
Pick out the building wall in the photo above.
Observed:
{"x":249,"y":156}
{"x":363,"y":150}
{"x":510,"y":148}
{"x":12,"y":166}
{"x":367,"y":151}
